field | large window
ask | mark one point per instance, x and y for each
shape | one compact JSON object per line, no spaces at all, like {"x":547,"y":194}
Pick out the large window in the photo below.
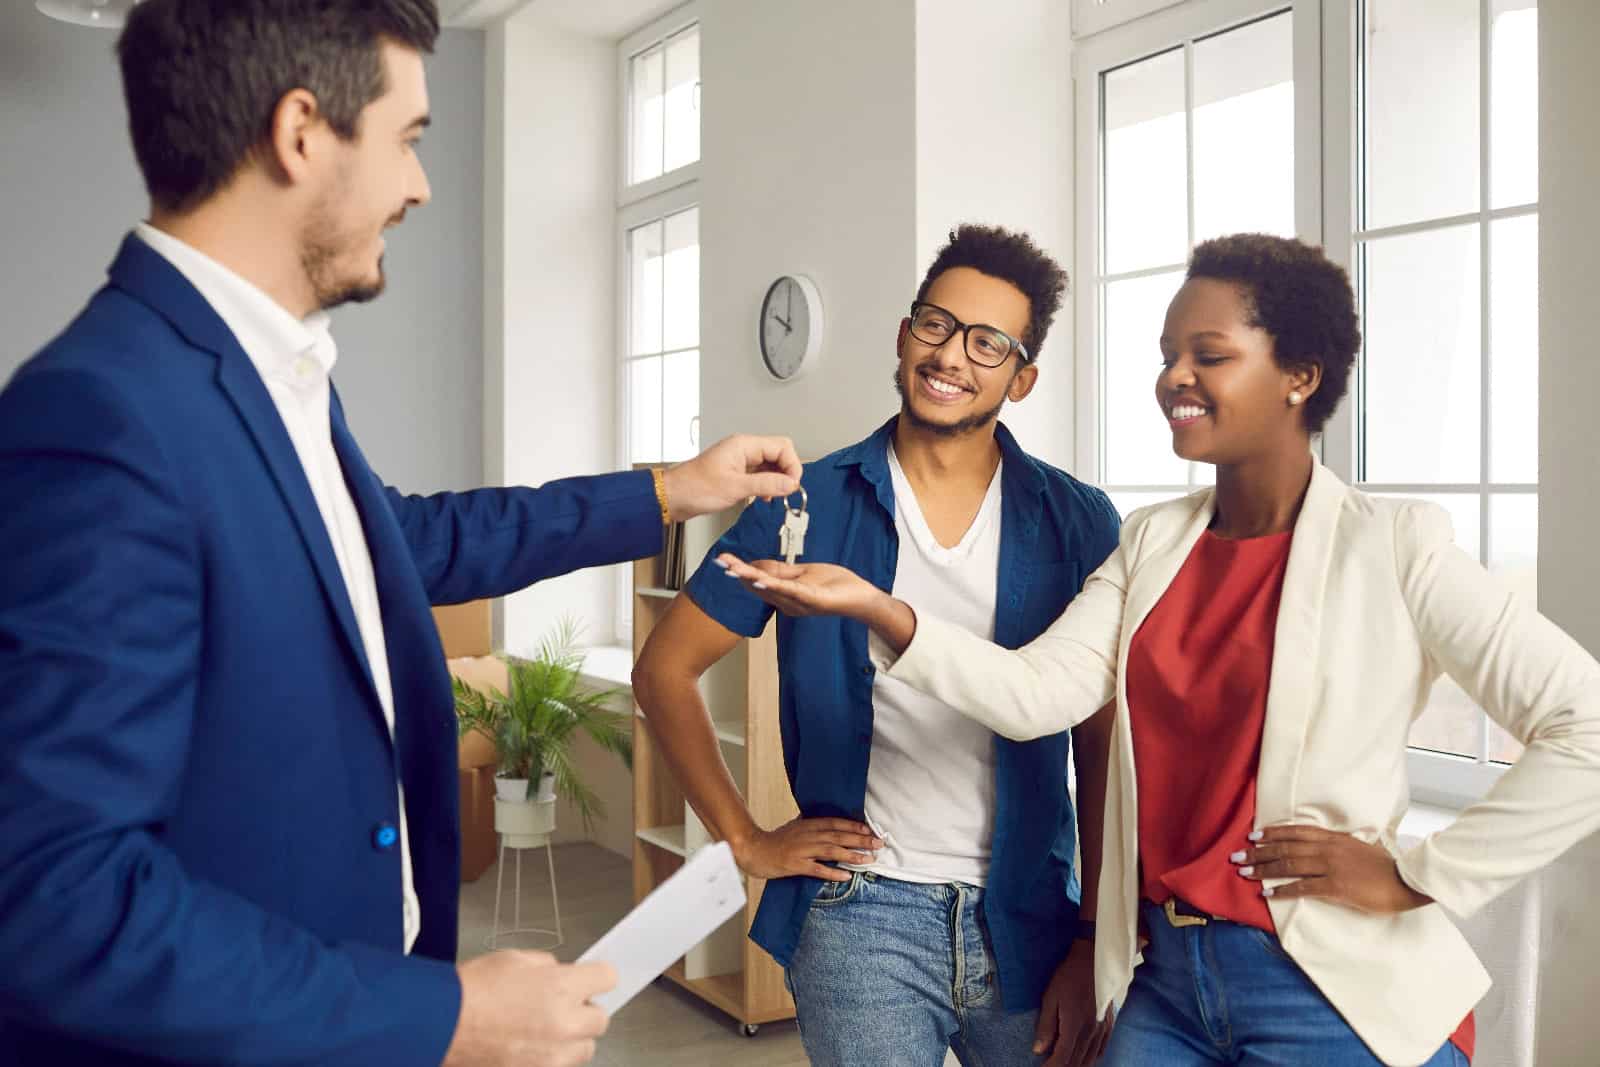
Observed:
{"x":662,"y":360}
{"x":1401,"y":135}
{"x":658,"y":221}
{"x":1196,"y":141}
{"x":1446,"y":256}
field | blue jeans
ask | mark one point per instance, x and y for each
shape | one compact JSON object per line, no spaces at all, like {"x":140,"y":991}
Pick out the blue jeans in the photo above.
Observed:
{"x":1226,"y":993}
{"x":894,"y":974}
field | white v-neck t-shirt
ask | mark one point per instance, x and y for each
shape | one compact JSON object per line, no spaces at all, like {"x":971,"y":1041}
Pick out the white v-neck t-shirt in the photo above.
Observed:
{"x":930,"y":782}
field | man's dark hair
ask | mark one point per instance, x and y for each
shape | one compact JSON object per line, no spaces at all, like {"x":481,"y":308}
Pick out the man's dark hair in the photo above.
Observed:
{"x":1012,"y":257}
{"x":1298,"y":295}
{"x":203,"y":77}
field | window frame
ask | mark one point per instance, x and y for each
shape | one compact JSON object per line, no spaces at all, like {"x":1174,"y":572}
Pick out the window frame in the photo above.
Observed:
{"x":658,"y":32}
{"x":1328,"y":148}
{"x":638,"y":204}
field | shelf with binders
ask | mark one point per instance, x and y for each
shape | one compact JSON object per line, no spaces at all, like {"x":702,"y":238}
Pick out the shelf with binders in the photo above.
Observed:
{"x":727,"y":970}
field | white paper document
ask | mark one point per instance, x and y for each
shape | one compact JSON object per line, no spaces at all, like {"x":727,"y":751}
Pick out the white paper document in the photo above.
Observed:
{"x":682,"y":912}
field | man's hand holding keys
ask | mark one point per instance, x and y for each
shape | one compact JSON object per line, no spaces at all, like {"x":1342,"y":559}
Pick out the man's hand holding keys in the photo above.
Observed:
{"x":730,"y":472}
{"x":524,"y":1008}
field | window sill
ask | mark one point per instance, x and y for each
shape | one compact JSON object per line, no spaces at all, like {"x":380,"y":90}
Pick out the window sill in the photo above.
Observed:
{"x":606,"y":666}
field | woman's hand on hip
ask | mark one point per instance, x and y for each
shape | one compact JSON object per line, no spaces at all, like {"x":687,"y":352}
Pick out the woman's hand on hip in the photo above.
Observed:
{"x":1326,"y":864}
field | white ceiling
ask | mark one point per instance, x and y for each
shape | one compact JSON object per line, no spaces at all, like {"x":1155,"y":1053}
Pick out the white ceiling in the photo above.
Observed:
{"x":476,"y":13}
{"x":609,"y":19}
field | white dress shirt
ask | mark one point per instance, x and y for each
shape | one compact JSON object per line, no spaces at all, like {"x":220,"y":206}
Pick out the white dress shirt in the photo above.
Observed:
{"x":295,"y":359}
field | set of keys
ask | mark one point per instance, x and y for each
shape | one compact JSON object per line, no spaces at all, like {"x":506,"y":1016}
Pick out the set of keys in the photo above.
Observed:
{"x":792,"y":534}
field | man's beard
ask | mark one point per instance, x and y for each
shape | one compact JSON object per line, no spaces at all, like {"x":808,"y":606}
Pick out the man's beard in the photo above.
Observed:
{"x":322,"y":246}
{"x":979,"y":421}
{"x":319,"y":259}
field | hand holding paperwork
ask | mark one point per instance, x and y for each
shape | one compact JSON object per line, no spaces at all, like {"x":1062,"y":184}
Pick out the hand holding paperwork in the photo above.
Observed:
{"x":681,"y":913}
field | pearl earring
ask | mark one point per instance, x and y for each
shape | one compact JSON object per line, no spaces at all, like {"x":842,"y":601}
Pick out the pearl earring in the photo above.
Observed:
{"x":1295,"y":397}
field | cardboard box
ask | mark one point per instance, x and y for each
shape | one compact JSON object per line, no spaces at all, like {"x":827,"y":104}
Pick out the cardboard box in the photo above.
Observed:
{"x":464,"y":631}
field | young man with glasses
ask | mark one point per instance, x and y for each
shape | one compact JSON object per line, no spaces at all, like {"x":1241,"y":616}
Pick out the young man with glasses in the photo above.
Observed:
{"x":926,"y":899}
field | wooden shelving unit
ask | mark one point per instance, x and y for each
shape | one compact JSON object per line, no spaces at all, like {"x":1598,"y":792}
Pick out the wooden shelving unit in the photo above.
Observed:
{"x":728,"y":971}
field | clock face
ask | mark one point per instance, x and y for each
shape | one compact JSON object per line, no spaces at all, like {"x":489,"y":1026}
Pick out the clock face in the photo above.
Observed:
{"x":788,"y":327}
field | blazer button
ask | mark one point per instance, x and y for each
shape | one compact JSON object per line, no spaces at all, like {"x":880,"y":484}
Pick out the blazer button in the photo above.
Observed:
{"x":384,"y":836}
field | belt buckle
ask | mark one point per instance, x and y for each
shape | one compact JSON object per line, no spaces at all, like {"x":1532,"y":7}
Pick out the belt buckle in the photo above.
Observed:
{"x":1180,"y":921}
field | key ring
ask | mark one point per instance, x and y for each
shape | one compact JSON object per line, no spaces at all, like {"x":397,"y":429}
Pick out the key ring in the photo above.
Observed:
{"x":803,"y":500}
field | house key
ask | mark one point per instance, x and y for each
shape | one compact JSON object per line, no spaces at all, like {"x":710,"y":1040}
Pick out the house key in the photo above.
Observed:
{"x":792,"y":535}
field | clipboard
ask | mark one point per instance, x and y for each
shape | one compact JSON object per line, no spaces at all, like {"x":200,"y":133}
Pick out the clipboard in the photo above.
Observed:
{"x":682,"y":912}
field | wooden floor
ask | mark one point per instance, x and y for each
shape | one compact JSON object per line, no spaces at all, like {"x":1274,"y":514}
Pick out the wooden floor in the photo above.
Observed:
{"x":663,"y":1026}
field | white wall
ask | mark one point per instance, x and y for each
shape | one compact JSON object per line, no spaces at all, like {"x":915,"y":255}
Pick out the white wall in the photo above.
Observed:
{"x":1569,"y":491}
{"x":1019,"y":112}
{"x":809,"y":167}
{"x":550,"y":361}
{"x":843,"y":170}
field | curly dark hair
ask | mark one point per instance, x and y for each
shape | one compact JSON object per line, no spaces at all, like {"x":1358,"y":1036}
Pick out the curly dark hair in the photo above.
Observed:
{"x":1012,"y":257}
{"x":1300,"y":297}
{"x":202,"y":77}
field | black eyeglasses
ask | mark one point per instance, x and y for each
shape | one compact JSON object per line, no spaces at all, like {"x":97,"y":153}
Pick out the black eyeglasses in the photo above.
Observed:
{"x":985,"y":345}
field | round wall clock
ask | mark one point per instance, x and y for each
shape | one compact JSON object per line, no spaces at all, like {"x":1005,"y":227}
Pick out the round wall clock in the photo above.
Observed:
{"x":791,"y":326}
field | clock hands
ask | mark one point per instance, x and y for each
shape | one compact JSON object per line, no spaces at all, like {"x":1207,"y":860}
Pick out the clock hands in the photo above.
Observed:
{"x":780,"y":321}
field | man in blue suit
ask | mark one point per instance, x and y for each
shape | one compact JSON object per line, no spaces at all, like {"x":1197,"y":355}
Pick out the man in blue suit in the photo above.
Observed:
{"x":205,"y":857}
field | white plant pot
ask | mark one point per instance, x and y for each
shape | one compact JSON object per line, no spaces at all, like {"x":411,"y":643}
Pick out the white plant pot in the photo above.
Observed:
{"x":514,"y":790}
{"x":524,"y":823}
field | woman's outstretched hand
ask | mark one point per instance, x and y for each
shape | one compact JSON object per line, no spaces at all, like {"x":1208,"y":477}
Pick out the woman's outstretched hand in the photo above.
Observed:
{"x":805,"y":588}
{"x":825,"y":589}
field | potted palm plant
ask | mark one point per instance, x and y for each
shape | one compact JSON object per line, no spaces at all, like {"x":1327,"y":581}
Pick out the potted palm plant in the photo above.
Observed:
{"x":533,"y":727}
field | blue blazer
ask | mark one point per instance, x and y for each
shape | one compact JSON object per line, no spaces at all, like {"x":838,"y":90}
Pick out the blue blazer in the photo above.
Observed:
{"x":198,"y":849}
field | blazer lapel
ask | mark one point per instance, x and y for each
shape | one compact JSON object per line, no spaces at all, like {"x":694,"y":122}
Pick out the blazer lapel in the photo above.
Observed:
{"x":147,"y":276}
{"x":238,"y":378}
{"x":1158,"y":564}
{"x":1297,"y":642}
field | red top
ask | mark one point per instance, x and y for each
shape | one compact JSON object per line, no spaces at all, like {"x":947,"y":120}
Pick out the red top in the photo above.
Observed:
{"x":1198,"y":676}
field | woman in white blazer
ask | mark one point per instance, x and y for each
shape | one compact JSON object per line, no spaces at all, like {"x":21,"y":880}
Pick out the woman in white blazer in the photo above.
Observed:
{"x":1359,"y":962}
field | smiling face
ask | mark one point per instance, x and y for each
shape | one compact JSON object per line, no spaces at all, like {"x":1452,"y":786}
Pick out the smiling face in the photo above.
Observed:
{"x":1221,"y":388}
{"x":943,"y":391}
{"x":373,"y":180}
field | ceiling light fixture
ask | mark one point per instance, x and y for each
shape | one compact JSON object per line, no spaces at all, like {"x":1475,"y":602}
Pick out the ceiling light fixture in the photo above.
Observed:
{"x":105,"y":14}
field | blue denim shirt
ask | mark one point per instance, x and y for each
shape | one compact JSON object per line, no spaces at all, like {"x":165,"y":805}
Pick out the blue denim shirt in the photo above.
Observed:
{"x":1054,"y":532}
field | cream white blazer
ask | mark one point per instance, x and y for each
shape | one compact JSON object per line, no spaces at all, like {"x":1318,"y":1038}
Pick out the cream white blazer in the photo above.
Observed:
{"x":1377,"y":602}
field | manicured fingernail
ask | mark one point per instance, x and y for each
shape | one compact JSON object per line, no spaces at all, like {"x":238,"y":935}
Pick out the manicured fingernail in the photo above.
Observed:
{"x":1246,"y":871}
{"x":1038,"y":1048}
{"x":1237,"y":857}
{"x":721,"y":563}
{"x":1266,"y":890}
{"x":726,"y":571}
{"x":1255,"y":835}
{"x":758,"y":585}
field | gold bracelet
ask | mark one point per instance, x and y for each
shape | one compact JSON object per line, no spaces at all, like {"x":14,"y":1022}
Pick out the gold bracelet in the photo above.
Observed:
{"x":659,"y":477}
